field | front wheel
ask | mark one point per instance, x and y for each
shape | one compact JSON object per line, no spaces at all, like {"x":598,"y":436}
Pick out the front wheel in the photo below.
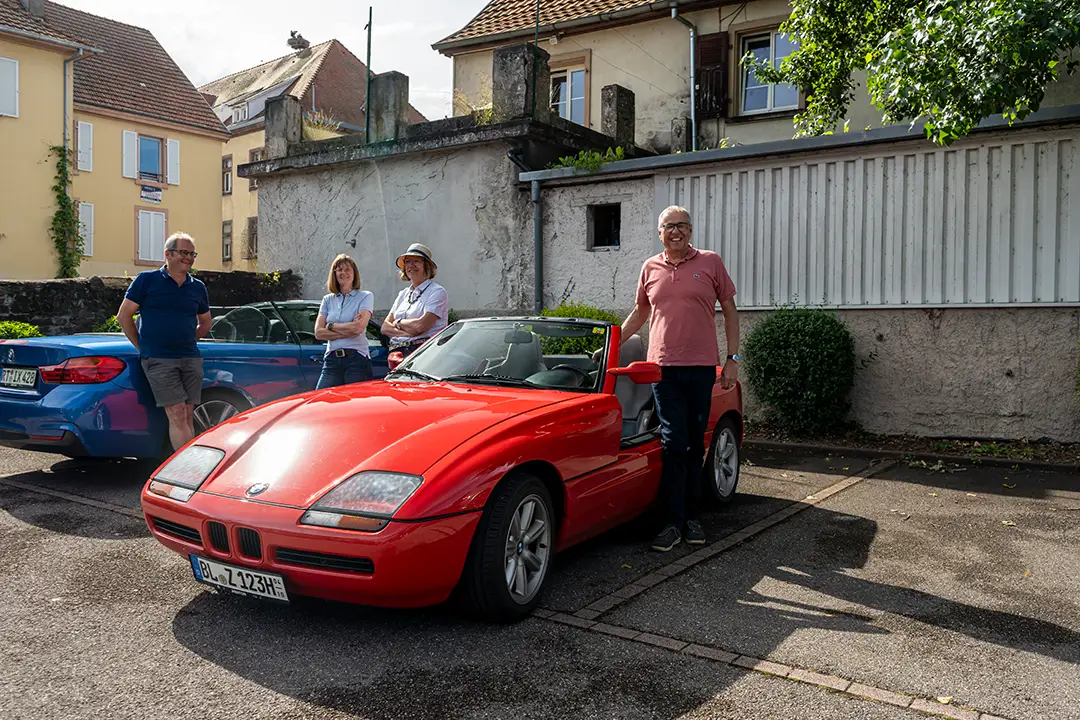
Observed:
{"x":512,"y":550}
{"x":721,"y":471}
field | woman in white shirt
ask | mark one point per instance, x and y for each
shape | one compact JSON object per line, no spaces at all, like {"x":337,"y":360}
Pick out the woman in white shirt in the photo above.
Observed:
{"x":342,"y":323}
{"x":421,"y":309}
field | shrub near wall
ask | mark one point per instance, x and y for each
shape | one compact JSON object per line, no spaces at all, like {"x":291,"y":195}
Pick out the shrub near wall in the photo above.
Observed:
{"x":575,"y":346}
{"x":10,"y":330}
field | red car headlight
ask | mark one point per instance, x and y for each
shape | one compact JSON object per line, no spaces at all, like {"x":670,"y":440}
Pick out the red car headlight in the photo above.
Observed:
{"x":366,"y":501}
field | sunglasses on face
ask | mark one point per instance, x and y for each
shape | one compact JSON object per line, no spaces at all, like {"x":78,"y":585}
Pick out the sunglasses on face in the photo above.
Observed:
{"x":684,"y":226}
{"x":185,"y":253}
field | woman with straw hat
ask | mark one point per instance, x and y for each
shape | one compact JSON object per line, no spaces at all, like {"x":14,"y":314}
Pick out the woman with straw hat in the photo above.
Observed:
{"x":421,"y":309}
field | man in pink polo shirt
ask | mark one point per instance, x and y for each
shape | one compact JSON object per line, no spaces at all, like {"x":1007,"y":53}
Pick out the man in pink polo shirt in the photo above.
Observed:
{"x":680,"y":288}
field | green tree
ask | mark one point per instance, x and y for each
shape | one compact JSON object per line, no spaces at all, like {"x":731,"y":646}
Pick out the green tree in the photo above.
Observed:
{"x":950,"y":63}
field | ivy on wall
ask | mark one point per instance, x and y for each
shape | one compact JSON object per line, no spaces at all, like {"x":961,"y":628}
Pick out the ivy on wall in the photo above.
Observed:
{"x":64,"y":229}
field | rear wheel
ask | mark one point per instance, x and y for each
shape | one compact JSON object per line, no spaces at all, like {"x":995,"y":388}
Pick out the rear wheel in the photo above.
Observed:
{"x":215,"y":408}
{"x":511,"y":551}
{"x":721,"y":471}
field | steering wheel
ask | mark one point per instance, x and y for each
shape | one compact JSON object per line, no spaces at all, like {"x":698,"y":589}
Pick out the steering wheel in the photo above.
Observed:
{"x":574,"y":368}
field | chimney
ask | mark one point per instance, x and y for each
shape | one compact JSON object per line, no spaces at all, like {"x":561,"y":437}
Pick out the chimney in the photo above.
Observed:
{"x":34,"y":7}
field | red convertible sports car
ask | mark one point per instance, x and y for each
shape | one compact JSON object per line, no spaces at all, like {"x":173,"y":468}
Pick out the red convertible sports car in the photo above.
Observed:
{"x":497,"y":444}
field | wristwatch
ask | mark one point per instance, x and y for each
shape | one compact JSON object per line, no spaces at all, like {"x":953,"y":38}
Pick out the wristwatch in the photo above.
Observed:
{"x":329,"y":326}
{"x":736,"y":358}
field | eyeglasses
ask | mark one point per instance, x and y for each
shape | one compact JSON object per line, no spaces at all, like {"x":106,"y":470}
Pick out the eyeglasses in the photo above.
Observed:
{"x":684,"y":226}
{"x":186,"y":253}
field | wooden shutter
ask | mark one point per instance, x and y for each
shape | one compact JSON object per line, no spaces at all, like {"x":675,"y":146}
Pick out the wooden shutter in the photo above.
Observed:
{"x":711,"y":92}
{"x":86,"y":227}
{"x":172,"y":162}
{"x":9,"y":87}
{"x":86,"y":147}
{"x":130,"y":165}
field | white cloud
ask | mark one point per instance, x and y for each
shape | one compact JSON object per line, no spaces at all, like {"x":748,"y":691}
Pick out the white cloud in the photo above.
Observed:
{"x":212,"y":38}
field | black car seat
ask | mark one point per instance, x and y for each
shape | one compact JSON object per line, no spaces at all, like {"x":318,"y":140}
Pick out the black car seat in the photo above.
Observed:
{"x":278,"y":332}
{"x":636,"y":400}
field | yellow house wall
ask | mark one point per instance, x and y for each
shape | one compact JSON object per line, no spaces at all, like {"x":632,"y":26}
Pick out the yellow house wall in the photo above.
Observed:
{"x":193,"y":206}
{"x":243,"y":202}
{"x":27,"y":203}
{"x":652,"y":59}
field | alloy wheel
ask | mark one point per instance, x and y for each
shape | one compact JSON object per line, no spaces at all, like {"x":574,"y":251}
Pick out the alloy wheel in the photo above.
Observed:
{"x":528,"y":549}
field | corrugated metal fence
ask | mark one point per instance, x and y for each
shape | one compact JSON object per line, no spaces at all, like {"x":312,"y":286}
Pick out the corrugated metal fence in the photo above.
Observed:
{"x":993,"y":220}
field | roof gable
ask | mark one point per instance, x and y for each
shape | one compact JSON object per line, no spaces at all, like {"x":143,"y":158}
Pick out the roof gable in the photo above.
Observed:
{"x":247,"y":83}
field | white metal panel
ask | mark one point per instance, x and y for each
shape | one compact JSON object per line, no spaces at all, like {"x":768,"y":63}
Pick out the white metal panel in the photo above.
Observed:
{"x":172,"y":162}
{"x":86,"y":147}
{"x":993,"y":220}
{"x":9,"y":87}
{"x":130,"y":151}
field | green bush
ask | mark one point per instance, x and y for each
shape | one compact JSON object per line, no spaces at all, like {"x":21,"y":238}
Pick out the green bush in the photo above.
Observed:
{"x":452,"y":316}
{"x":11,"y":330}
{"x":800,"y":364}
{"x":576,"y":346}
{"x":109,"y":325}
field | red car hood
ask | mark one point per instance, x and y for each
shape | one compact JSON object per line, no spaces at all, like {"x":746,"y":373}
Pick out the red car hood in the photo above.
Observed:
{"x":301,"y":447}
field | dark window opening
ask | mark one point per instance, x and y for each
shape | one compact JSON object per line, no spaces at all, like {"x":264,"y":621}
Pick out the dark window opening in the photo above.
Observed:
{"x":605,"y":224}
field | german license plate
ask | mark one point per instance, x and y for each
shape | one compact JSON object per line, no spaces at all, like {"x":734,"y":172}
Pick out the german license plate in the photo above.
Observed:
{"x":18,"y":377}
{"x":239,"y":580}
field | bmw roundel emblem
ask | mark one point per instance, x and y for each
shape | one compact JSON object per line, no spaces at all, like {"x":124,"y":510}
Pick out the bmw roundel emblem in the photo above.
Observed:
{"x":258,"y":488}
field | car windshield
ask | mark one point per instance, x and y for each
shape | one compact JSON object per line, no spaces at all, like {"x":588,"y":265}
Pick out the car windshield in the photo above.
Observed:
{"x":555,"y":354}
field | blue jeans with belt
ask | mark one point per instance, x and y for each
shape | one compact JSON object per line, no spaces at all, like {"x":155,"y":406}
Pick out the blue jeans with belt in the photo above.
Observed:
{"x":683,"y":401}
{"x":351,"y":367}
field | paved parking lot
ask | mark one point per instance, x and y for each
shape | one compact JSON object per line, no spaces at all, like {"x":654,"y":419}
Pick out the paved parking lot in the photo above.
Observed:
{"x":832,"y":588}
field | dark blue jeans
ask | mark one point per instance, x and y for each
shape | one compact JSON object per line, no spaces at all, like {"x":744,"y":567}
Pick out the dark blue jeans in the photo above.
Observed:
{"x":352,"y":368}
{"x":683,"y":400}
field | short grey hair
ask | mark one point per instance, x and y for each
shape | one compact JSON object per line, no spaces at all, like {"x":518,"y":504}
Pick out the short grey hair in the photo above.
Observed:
{"x":170,"y":244}
{"x":671,"y":209}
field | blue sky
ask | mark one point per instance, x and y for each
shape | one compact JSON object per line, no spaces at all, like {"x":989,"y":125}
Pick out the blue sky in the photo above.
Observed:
{"x":212,"y":38}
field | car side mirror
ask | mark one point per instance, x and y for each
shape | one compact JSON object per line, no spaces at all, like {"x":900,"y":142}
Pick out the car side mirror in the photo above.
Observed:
{"x":640,"y":372}
{"x":394,"y":359}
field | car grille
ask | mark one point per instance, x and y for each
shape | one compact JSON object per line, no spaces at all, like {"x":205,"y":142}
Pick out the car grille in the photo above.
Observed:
{"x":219,"y":537}
{"x":323,"y":561}
{"x":249,"y":543}
{"x":177,"y":530}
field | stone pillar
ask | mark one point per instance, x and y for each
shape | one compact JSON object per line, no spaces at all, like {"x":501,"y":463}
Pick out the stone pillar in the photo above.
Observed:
{"x":681,"y":130}
{"x":514,"y":84}
{"x":284,"y":125}
{"x":389,"y":106}
{"x":617,"y":115}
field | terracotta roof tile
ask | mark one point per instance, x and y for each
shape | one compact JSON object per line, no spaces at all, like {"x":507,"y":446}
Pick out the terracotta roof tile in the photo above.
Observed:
{"x":133,"y":73}
{"x":13,"y":15}
{"x":502,"y":16}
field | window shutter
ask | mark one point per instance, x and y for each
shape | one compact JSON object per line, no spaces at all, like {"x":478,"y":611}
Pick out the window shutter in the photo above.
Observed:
{"x":158,"y":224}
{"x":172,"y":162}
{"x":86,"y":227}
{"x":144,"y":236}
{"x":9,"y":87}
{"x":86,"y":147}
{"x":711,"y":92}
{"x":131,"y":154}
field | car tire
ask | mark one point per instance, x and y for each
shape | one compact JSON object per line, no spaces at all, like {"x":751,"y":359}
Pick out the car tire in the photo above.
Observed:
{"x":215,"y":407}
{"x":721,"y":472}
{"x":507,"y":565}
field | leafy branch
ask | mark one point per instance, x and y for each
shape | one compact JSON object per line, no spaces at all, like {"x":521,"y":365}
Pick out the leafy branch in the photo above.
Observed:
{"x":64,"y":229}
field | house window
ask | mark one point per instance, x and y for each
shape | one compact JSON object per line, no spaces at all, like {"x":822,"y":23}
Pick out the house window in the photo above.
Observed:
{"x":605,"y":222}
{"x":568,"y":94}
{"x":255,"y":156}
{"x":150,"y":160}
{"x":151,"y":235}
{"x":9,"y":87}
{"x":757,"y":96}
{"x":226,"y":175}
{"x":251,"y":246}
{"x":226,"y":241}
{"x":240,"y":114}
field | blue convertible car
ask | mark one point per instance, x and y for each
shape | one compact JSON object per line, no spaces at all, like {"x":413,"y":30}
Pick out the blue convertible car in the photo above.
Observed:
{"x":86,"y":395}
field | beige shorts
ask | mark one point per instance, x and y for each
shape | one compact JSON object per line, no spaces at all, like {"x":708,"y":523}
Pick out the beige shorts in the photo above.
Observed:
{"x":174,"y":380}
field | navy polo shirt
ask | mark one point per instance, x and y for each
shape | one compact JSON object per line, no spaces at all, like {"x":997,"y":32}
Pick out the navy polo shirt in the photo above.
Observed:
{"x":168,"y":313}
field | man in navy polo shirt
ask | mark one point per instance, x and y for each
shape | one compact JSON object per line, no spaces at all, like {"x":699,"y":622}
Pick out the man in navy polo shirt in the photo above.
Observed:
{"x":174,"y":312}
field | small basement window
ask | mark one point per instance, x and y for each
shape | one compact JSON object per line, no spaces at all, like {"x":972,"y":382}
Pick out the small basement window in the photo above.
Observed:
{"x":605,"y":222}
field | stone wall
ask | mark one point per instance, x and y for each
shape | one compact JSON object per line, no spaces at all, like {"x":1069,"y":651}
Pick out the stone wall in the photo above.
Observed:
{"x":60,"y":307}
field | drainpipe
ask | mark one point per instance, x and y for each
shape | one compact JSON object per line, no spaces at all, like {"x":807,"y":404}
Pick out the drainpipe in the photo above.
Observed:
{"x":693,"y":68}
{"x":67,"y":116}
{"x":538,"y":248}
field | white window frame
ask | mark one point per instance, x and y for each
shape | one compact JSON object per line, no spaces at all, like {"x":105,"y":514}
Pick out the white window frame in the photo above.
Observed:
{"x":86,"y":230}
{"x":568,"y":102}
{"x":744,"y":75}
{"x":16,"y":88}
{"x":153,"y":245}
{"x":162,"y":160}
{"x":240,"y":113}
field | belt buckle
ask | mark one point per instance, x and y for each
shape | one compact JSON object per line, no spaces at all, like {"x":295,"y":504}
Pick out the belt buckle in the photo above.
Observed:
{"x":340,"y":352}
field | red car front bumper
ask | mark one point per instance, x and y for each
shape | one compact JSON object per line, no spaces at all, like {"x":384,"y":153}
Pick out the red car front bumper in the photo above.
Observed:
{"x":406,"y":564}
